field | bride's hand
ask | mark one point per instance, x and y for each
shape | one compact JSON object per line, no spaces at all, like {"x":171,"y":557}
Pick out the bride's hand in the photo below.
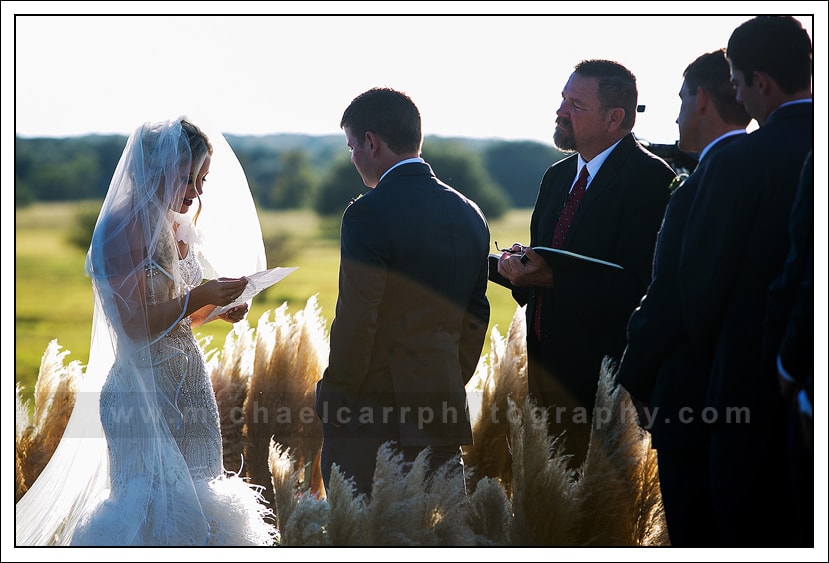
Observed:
{"x":223,"y":291}
{"x":235,"y":314}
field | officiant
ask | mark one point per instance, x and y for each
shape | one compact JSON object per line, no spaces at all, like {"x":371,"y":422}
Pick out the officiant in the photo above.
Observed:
{"x":605,"y":201}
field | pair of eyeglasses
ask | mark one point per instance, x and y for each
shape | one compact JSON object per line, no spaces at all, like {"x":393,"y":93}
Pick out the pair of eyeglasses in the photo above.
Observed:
{"x":510,"y":250}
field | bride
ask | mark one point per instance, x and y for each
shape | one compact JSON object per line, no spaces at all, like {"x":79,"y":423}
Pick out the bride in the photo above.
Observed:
{"x":140,"y":462}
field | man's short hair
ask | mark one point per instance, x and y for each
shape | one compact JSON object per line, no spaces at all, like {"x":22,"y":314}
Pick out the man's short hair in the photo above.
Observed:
{"x":776,"y":45}
{"x":617,"y":87}
{"x":712,"y":73}
{"x":388,"y":113}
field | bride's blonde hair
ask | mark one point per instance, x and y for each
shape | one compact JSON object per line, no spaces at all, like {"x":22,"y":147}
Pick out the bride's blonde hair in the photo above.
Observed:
{"x":200,"y":147}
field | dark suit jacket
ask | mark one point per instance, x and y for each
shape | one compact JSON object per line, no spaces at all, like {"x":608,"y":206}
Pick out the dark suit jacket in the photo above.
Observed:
{"x":790,"y":319}
{"x":584,"y":316}
{"x":736,"y":243}
{"x":412,"y":311}
{"x":658,"y":366}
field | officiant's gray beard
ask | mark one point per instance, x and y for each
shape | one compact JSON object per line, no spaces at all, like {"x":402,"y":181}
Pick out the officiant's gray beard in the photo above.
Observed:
{"x":563,"y":141}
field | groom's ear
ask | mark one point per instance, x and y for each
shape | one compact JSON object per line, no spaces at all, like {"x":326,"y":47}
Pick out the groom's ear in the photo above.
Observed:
{"x":375,"y":143}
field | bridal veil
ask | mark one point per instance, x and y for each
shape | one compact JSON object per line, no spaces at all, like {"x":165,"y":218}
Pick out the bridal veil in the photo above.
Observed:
{"x":134,"y":227}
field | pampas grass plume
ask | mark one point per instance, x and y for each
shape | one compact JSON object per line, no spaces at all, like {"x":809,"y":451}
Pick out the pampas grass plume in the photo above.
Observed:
{"x":543,"y":489}
{"x":230,"y":374}
{"x":619,"y":474}
{"x":54,"y":398}
{"x":522,"y":490}
{"x":502,"y":376}
{"x":289,"y":357}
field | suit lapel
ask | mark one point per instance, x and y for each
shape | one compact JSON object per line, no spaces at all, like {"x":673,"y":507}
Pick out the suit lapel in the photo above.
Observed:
{"x":560,"y":189}
{"x":607,"y":172}
{"x":602,"y":181}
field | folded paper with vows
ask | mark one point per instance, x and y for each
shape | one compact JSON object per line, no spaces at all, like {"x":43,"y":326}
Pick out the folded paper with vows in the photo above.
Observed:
{"x":257,"y":283}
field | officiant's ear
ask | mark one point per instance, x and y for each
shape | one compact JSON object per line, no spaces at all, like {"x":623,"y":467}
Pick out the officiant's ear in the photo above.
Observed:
{"x":614,"y":118}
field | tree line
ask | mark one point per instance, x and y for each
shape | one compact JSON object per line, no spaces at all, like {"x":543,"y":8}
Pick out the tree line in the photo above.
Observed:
{"x":291,"y":171}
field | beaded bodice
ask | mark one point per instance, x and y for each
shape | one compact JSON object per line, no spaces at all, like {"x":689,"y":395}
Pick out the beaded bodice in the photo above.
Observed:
{"x":183,"y":390}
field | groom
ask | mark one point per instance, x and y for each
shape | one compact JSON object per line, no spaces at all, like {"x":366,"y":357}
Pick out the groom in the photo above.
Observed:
{"x":412,"y":311}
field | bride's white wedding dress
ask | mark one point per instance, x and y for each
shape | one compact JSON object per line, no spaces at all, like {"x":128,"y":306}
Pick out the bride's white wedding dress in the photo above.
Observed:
{"x":225,"y":510}
{"x":140,"y":460}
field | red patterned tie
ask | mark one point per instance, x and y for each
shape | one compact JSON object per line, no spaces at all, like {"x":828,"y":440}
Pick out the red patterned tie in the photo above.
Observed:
{"x":562,"y":226}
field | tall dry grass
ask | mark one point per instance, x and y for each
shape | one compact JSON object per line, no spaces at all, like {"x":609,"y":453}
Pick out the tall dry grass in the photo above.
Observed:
{"x":37,"y":436}
{"x":291,"y":353}
{"x":619,"y":475}
{"x":230,"y":374}
{"x":501,"y":377}
{"x":519,"y":490}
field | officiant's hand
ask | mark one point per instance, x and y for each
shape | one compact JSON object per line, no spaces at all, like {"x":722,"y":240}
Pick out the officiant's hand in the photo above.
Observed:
{"x":235,"y":314}
{"x":525,"y":270}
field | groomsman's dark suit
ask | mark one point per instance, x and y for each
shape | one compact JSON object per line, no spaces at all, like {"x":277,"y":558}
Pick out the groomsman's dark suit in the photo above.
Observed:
{"x":410,"y":322}
{"x":585,"y":314}
{"x":736,"y":241}
{"x":790,"y":326}
{"x":660,"y":369}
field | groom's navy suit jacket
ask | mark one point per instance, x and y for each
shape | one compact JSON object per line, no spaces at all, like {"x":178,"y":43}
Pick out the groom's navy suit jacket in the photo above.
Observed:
{"x":412,"y":311}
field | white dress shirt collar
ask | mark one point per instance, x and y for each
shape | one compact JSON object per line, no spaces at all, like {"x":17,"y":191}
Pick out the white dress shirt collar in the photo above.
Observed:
{"x":405,"y":161}
{"x":596,"y":163}
{"x":717,"y":140}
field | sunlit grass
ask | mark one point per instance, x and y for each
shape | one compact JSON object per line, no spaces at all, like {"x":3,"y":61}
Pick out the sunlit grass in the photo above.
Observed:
{"x":53,"y":296}
{"x":521,"y":487}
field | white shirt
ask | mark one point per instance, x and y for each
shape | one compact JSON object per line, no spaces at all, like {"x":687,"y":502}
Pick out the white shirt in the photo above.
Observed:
{"x":717,"y":140}
{"x":406,"y":161}
{"x":594,"y":165}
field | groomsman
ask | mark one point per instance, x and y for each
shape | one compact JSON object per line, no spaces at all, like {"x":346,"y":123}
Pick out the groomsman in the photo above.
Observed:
{"x":735,"y":244}
{"x":666,"y":379}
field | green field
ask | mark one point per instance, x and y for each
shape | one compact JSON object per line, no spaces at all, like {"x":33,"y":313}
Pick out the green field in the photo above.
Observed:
{"x":53,"y":296}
